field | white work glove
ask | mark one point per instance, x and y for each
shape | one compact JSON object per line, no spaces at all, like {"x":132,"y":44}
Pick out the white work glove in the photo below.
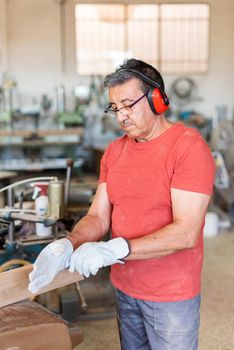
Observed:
{"x":91,"y":256}
{"x":52,"y":259}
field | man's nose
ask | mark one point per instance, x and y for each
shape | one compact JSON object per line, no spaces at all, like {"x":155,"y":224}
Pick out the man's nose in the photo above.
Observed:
{"x":121,"y":117}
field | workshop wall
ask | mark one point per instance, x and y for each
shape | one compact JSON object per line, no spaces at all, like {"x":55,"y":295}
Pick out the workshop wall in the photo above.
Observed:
{"x":3,"y":46}
{"x":37,"y":49}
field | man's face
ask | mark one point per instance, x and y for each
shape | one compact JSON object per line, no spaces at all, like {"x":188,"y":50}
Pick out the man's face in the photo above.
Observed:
{"x":138,"y":123}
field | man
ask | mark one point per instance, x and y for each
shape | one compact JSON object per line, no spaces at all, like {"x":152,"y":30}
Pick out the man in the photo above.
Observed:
{"x":154,"y":189}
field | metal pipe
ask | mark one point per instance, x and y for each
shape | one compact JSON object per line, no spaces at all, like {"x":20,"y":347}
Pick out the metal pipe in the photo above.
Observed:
{"x":34,"y":179}
{"x":83,"y":303}
{"x":11,"y":227}
{"x":47,"y":221}
{"x":68,"y":180}
{"x":56,"y":199}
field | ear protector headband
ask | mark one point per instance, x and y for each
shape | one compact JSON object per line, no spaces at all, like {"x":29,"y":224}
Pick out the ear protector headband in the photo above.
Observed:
{"x":157,"y":98}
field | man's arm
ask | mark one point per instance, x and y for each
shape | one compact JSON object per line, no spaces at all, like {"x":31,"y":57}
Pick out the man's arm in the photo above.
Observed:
{"x":189,"y":210}
{"x":96,"y":223}
{"x":56,"y":255}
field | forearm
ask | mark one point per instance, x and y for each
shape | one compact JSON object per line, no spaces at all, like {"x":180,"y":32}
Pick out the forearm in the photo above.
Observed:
{"x":170,"y":239}
{"x":89,"y":229}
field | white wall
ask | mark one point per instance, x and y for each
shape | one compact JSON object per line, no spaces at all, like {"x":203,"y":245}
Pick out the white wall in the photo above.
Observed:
{"x":40,"y":53}
{"x":3,"y":45}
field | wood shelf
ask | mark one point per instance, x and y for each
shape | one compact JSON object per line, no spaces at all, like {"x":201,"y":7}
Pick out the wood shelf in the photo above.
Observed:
{"x":37,"y":143}
{"x":41,"y":133}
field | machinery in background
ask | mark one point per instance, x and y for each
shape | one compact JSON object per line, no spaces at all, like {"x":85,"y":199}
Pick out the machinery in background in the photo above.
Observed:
{"x":222,"y":144}
{"x":19,"y":245}
{"x":222,"y":179}
{"x":36,"y":115}
{"x":183,"y":92}
{"x":184,"y":98}
{"x":7,"y":90}
{"x":17,"y":233}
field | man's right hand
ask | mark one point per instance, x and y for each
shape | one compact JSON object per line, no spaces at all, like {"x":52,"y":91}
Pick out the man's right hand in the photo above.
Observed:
{"x":52,"y":259}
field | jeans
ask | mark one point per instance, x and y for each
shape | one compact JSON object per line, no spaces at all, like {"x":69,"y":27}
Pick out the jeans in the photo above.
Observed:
{"x":147,"y":325}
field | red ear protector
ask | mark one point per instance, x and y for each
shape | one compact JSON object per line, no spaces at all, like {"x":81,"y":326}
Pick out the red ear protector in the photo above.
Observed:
{"x":157,"y":98}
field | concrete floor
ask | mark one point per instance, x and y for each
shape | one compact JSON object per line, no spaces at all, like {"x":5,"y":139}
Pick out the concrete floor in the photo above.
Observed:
{"x":217,"y":311}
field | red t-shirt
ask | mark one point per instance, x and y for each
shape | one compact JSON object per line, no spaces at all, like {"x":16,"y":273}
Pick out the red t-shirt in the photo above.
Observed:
{"x":139,"y":177}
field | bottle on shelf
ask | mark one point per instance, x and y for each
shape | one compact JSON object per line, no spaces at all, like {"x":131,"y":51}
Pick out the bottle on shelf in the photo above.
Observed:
{"x":41,"y":207}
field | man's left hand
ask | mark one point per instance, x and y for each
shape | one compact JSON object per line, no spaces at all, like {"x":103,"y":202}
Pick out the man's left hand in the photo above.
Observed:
{"x":91,"y":256}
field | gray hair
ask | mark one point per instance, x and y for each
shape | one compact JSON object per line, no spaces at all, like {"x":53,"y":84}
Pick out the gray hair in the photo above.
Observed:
{"x":122,"y":75}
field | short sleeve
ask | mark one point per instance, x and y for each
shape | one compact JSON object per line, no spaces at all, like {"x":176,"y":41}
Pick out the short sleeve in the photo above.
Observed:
{"x":194,"y":168}
{"x":103,"y":166}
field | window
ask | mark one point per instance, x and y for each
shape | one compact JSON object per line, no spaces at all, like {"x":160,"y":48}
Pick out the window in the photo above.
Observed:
{"x":172,"y":37}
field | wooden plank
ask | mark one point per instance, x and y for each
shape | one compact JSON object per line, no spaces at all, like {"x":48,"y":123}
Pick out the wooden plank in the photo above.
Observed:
{"x":14,"y":284}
